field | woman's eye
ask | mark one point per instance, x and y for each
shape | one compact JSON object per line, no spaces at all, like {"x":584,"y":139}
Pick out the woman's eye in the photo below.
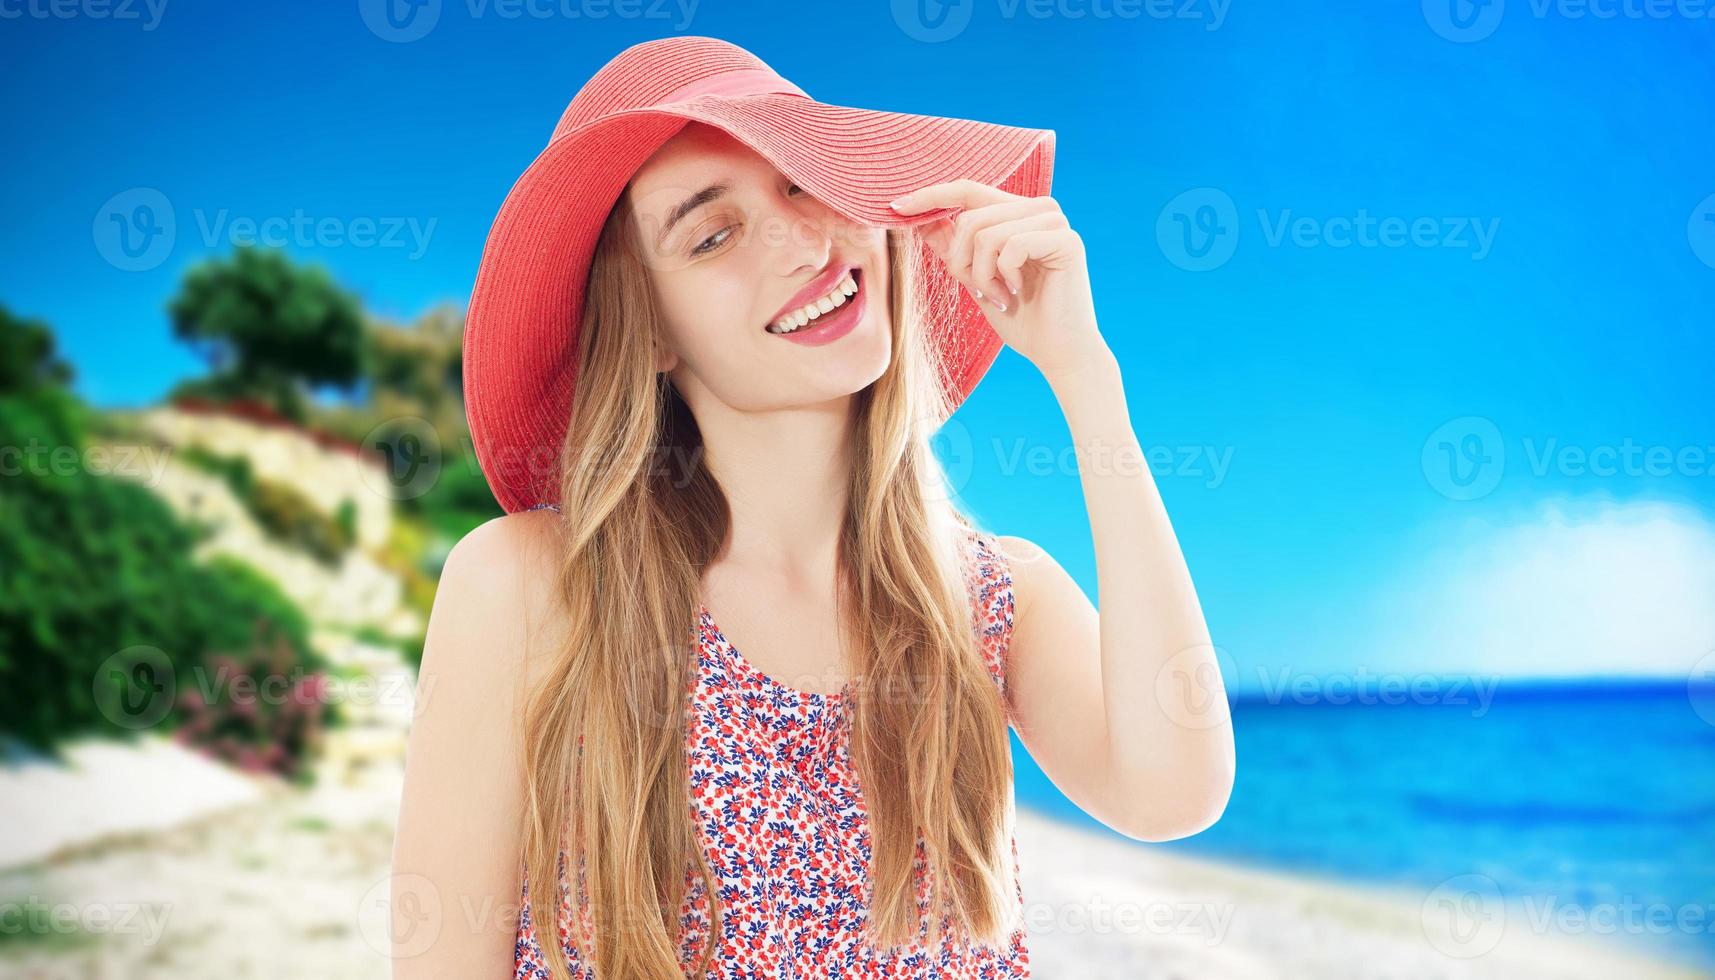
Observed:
{"x":712,"y":242}
{"x":793,"y":187}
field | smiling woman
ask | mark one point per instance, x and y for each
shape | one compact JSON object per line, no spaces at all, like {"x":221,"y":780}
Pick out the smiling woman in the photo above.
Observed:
{"x":731,"y":267}
{"x":837,"y":799}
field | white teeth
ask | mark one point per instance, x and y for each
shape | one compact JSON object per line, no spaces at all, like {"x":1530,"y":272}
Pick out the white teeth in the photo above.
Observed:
{"x":842,"y":291}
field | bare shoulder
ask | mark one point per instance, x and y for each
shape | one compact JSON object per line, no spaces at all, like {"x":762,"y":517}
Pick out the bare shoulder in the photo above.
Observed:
{"x":1024,"y":563}
{"x":500,"y":580}
{"x":492,"y":615}
{"x":509,"y":546}
{"x":1041,"y":585}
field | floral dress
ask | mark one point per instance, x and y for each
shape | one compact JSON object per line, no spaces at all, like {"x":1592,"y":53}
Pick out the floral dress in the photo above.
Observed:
{"x":784,"y":827}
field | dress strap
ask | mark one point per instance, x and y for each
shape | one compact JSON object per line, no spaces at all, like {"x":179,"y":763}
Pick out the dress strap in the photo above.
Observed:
{"x":990,"y":578}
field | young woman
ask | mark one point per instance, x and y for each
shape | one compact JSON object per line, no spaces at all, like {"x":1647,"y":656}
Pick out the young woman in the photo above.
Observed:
{"x":730,"y":683}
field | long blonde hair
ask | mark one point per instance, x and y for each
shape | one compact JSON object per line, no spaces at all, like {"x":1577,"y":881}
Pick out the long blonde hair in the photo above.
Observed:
{"x":608,"y":785}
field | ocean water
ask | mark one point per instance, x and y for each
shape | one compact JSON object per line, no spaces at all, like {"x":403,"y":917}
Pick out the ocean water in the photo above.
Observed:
{"x":1591,"y":795}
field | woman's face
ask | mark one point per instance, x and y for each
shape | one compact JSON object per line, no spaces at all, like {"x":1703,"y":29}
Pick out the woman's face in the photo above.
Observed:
{"x":732,"y":245}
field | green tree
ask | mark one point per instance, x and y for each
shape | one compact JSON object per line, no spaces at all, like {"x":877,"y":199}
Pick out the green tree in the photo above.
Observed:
{"x":421,"y":364}
{"x":268,"y":327}
{"x":27,"y":358}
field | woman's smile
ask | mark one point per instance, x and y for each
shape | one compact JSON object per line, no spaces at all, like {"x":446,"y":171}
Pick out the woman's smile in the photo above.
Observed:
{"x":828,"y":318}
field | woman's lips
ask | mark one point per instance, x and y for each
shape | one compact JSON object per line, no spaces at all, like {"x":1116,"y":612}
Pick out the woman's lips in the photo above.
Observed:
{"x":821,"y":286}
{"x":834,"y":324}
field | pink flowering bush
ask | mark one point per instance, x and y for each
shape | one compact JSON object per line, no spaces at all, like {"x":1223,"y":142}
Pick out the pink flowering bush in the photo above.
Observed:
{"x":259,"y":710}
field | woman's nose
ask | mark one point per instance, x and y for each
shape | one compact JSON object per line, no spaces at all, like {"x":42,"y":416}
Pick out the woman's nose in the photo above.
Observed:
{"x":808,"y":237}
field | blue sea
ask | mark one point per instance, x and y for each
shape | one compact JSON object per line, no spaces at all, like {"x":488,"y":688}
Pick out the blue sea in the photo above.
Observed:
{"x":1591,"y":794}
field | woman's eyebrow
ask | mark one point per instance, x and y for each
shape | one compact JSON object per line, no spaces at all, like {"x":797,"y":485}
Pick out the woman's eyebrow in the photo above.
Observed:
{"x":688,"y":205}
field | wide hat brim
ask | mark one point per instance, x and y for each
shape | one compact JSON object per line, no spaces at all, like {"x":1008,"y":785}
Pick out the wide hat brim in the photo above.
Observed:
{"x":521,"y":329}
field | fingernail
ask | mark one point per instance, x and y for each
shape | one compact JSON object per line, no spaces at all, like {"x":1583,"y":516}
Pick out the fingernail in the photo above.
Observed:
{"x":978,"y":293}
{"x":1012,"y":289}
{"x":897,"y":202}
{"x":1001,"y":305}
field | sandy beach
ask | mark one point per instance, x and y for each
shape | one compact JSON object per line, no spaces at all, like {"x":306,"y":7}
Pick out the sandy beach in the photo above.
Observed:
{"x":293,"y":885}
{"x":1186,"y":918}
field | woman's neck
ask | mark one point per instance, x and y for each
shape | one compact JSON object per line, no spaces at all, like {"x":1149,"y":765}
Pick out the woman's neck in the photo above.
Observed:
{"x":786,"y":475}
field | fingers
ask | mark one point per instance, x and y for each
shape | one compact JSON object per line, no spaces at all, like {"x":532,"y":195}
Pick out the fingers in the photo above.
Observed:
{"x":938,"y":235}
{"x":988,"y":243}
{"x":1042,"y":245}
{"x":970,"y":242}
{"x":973,"y":229}
{"x":953,"y":194}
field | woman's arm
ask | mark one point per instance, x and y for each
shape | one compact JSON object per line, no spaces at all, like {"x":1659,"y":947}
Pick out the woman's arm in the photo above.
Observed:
{"x":1125,"y":711}
{"x":456,"y":852}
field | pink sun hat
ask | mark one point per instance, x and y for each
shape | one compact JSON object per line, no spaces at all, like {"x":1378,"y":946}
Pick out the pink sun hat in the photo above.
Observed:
{"x":521,"y":330}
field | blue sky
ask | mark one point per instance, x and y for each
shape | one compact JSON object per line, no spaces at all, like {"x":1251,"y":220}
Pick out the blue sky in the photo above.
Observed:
{"x":1389,"y":292}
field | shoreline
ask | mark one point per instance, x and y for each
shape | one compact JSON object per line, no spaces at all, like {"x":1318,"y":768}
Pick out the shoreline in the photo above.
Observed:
{"x":1101,"y":906}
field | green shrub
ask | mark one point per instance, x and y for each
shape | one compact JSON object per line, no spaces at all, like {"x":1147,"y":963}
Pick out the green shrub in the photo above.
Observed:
{"x":290,"y":516}
{"x":91,"y":566}
{"x":345,"y":516}
{"x":235,"y":470}
{"x":29,"y":357}
{"x":459,"y":501}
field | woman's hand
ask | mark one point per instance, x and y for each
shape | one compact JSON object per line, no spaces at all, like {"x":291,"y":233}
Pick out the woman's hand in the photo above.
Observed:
{"x":1025,"y":264}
